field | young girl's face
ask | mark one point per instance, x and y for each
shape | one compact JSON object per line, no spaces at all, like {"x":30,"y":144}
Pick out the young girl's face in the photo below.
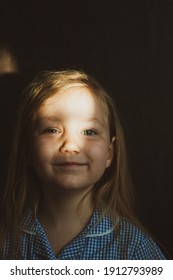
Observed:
{"x":72,"y":147}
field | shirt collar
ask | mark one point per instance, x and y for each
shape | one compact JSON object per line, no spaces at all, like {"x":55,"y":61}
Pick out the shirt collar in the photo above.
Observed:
{"x":29,"y":224}
{"x":98,"y":225}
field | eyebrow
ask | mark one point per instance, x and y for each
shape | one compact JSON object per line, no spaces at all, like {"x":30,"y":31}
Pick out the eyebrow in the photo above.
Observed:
{"x":40,"y":120}
{"x":95,"y":120}
{"x":48,"y":118}
{"x":56,"y":119}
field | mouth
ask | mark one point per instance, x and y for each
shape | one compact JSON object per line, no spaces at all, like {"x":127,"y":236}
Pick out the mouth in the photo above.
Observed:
{"x":67,"y":163}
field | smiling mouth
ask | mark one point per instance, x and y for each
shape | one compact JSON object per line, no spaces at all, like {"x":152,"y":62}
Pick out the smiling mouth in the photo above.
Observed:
{"x":66,"y":164}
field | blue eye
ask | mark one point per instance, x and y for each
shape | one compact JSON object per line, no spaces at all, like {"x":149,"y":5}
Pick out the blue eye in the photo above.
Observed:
{"x":51,"y":130}
{"x":89,"y":132}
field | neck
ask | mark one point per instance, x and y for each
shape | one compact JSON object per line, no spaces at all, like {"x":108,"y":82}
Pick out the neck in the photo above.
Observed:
{"x":65,"y":206}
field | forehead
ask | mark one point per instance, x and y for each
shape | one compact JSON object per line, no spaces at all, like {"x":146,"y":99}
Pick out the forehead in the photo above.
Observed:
{"x":75,"y":101}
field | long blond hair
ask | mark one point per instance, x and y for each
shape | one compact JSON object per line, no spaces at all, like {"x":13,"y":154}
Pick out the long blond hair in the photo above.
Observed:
{"x":112,"y":193}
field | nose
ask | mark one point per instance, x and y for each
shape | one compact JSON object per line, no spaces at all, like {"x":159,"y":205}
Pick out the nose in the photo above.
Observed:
{"x":70,"y":145}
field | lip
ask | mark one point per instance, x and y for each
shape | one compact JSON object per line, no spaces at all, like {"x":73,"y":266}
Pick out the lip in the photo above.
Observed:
{"x":67,"y":163}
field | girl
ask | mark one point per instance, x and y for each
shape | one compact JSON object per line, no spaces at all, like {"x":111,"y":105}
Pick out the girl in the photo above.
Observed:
{"x":68,"y":193}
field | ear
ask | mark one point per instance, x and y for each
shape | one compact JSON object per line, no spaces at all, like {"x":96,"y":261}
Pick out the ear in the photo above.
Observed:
{"x":110,"y":153}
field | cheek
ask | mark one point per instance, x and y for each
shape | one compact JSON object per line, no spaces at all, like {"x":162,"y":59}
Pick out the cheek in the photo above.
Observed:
{"x":42,"y":151}
{"x":98,"y":153}
{"x":98,"y":162}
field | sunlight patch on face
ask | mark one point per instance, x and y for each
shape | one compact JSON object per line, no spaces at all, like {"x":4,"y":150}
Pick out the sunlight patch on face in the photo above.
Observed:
{"x":78,"y":98}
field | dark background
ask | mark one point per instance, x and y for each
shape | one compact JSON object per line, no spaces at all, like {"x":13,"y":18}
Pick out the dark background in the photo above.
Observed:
{"x":128,"y":47}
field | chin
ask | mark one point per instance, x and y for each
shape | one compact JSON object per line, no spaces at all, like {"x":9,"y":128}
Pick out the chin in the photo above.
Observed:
{"x":70,"y":185}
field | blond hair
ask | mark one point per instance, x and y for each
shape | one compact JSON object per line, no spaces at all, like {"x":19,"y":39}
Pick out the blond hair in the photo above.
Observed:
{"x":112,"y":193}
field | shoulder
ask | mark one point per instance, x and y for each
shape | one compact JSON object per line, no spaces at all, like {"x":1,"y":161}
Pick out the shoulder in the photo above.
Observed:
{"x":26,"y":235}
{"x":119,"y":240}
{"x":135,"y":242}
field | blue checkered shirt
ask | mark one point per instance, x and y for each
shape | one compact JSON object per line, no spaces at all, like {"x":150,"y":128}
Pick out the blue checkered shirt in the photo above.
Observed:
{"x":98,"y":241}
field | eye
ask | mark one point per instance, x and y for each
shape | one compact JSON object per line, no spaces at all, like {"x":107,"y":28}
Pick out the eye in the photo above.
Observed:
{"x":51,"y":130}
{"x":89,"y":132}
